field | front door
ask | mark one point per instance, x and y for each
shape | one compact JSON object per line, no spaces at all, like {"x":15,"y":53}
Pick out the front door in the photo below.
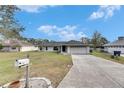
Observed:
{"x":64,"y":48}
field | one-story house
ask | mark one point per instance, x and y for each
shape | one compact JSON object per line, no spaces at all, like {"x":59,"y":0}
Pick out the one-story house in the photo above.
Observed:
{"x":117,"y":45}
{"x":17,"y":45}
{"x":70,"y":47}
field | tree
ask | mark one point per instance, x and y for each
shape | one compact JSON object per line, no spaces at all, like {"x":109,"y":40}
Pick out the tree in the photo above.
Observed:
{"x":85,"y":40}
{"x":52,"y":41}
{"x":45,"y":40}
{"x":98,"y":40}
{"x":104,"y":41}
{"x":9,"y":26}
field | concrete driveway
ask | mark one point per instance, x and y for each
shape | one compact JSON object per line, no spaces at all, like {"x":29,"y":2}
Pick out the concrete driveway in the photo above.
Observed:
{"x":93,"y":72}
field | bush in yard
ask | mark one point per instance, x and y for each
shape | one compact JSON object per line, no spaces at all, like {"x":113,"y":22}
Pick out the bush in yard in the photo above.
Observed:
{"x":115,"y":57}
{"x":1,"y":46}
{"x":91,"y":51}
{"x":112,"y":56}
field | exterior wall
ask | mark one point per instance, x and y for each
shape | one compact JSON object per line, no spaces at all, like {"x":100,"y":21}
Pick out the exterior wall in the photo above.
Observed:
{"x":43,"y":49}
{"x":48,"y":49}
{"x":77,"y":50}
{"x":14,"y":50}
{"x":106,"y":49}
{"x":59,"y":48}
{"x":112,"y":49}
{"x":10,"y":49}
{"x":28,"y":48}
{"x":87,"y":50}
{"x":70,"y":50}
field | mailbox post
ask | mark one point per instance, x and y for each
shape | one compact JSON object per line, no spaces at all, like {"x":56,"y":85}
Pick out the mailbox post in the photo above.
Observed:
{"x":24,"y":63}
{"x":27,"y":75}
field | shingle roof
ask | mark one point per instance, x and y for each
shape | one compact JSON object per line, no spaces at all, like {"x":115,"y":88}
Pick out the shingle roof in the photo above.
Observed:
{"x":69,"y":43}
{"x":15,"y":42}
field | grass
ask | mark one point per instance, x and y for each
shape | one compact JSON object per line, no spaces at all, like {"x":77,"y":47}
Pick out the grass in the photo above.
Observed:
{"x":107,"y":56}
{"x":43,"y":64}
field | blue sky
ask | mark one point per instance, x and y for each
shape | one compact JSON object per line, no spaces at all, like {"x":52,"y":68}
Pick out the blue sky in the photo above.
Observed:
{"x":62,"y":23}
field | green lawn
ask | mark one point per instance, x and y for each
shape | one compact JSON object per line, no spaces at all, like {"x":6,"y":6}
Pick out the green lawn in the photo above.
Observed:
{"x":108,"y":57}
{"x":43,"y":64}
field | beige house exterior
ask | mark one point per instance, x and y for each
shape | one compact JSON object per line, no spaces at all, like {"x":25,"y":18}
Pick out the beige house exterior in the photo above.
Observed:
{"x":71,"y":47}
{"x":28,"y":48}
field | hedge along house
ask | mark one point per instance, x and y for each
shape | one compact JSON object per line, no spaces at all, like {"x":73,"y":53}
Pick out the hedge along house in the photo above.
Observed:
{"x":70,"y":47}
{"x":117,"y":45}
{"x":17,"y":46}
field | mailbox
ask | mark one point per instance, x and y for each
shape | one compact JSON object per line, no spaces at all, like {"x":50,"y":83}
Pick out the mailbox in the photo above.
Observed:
{"x":22,"y":62}
{"x":117,"y":53}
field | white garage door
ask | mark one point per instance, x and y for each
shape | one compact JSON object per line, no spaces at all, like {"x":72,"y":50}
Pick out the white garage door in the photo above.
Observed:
{"x":78,"y":50}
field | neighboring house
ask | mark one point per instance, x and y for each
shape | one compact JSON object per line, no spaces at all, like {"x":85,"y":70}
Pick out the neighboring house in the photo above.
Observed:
{"x":10,"y":45}
{"x":71,"y":47}
{"x":17,"y":45}
{"x":117,"y":45}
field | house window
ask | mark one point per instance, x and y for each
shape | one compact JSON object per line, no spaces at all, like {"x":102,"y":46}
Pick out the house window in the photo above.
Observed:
{"x":55,"y":48}
{"x":13,"y":48}
{"x":46,"y":48}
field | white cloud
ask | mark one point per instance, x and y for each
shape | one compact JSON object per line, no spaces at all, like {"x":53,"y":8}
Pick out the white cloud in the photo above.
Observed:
{"x":104,"y":12}
{"x":48,"y":29}
{"x":31,"y":8}
{"x":66,"y":33}
{"x":34,"y":8}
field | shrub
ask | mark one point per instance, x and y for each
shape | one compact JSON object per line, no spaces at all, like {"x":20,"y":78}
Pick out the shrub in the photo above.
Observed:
{"x":1,"y":46}
{"x":91,"y":51}
{"x":112,"y":56}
